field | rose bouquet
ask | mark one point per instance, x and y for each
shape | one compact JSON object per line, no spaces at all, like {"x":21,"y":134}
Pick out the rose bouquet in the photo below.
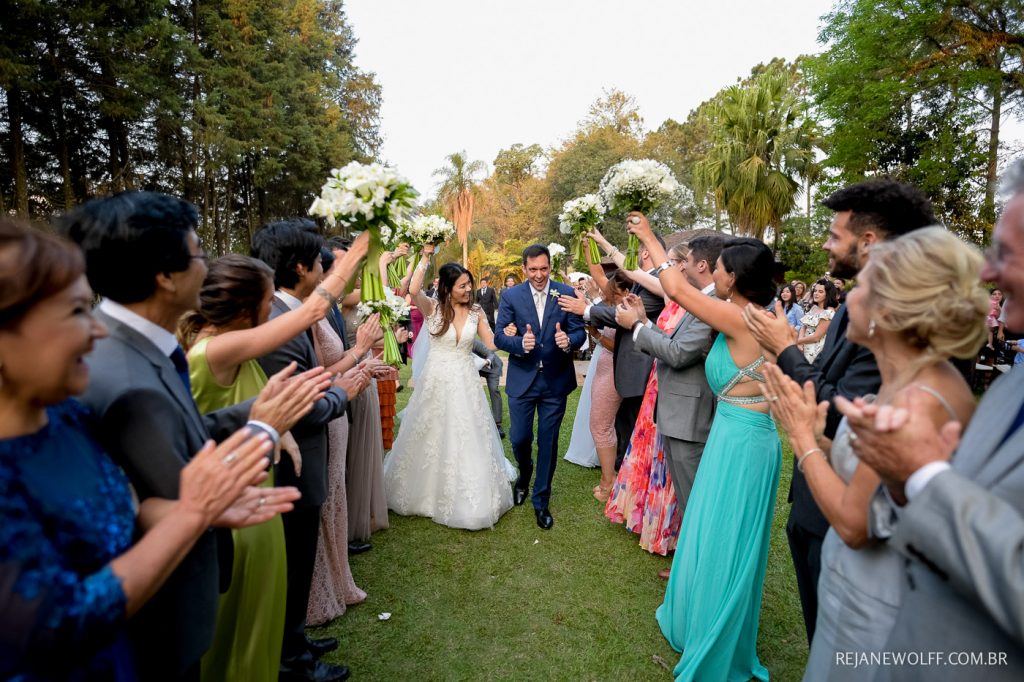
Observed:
{"x":637,"y":185}
{"x":579,"y":216}
{"x":366,"y":197}
{"x":392,"y":309}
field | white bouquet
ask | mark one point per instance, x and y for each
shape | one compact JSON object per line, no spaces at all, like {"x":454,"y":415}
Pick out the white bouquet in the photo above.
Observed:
{"x":637,"y":185}
{"x":579,"y":216}
{"x":430,"y":229}
{"x":557,"y":252}
{"x":392,"y":309}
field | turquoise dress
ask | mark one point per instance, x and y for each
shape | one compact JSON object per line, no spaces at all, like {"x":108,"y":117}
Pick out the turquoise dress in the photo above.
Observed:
{"x":713,"y":599}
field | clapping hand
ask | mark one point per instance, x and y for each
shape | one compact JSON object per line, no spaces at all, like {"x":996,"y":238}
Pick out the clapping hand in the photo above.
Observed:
{"x":213,"y":480}
{"x":529,"y":340}
{"x":561,"y":338}
{"x":257,"y":505}
{"x":796,"y":408}
{"x":573,"y":304}
{"x":368,"y":334}
{"x":353,"y":381}
{"x":772,"y":332}
{"x":284,"y":400}
{"x":591,"y":288}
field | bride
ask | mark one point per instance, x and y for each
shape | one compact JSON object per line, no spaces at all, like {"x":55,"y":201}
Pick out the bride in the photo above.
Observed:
{"x":448,"y":462}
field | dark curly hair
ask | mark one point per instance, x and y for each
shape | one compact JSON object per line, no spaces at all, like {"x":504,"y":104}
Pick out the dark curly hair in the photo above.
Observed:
{"x":890,"y":207}
{"x":831,"y":293}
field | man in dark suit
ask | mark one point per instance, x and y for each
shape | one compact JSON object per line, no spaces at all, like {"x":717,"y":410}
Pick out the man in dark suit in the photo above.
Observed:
{"x":866,"y":212}
{"x":292,"y":249}
{"x":541,"y":372}
{"x":143,"y":257}
{"x":488,"y":300}
{"x":632,"y":367}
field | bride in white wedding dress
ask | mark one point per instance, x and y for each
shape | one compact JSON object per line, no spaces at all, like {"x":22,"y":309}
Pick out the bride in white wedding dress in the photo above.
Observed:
{"x":447,"y":462}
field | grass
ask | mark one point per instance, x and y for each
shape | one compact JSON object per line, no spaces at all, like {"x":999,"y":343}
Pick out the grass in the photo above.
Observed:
{"x":518,"y":603}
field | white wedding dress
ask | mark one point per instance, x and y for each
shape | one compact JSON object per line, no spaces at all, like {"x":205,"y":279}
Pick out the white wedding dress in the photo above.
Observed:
{"x":447,"y":462}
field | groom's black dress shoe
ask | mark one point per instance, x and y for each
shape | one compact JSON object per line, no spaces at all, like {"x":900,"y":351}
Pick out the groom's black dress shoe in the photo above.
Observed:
{"x":519,"y":495}
{"x":544,"y":519}
{"x":319,"y":647}
{"x":356,"y":547}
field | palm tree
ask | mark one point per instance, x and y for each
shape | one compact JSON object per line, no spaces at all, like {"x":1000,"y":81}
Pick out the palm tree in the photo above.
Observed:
{"x":459,"y":178}
{"x":763,"y":142}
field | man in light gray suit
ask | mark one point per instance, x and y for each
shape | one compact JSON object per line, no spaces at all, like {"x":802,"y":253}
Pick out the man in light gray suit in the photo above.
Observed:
{"x":959,"y":521}
{"x":492,"y":372}
{"x":686,"y":404}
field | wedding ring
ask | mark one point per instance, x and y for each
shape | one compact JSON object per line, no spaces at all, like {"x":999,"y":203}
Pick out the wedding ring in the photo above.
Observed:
{"x":262,"y":501}
{"x":635,"y":220}
{"x":774,"y":397}
{"x":853,"y":436}
{"x":230,"y":457}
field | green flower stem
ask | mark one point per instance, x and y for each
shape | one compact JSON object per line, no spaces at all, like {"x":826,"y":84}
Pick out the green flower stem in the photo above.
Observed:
{"x":632,"y":250}
{"x":392,"y":355}
{"x":595,"y":253}
{"x":372,"y":287}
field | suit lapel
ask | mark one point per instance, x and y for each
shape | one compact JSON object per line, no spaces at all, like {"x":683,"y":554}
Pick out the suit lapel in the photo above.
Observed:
{"x":980,"y":454}
{"x":531,"y":309}
{"x":550,"y":303}
{"x":162,"y":365}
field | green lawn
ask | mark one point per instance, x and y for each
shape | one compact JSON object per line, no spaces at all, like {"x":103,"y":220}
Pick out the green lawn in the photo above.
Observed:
{"x":518,"y":603}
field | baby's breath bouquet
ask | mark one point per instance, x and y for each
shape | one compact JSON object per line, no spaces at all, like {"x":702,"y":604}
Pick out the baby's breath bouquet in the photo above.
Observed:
{"x":579,"y":216}
{"x":637,"y":185}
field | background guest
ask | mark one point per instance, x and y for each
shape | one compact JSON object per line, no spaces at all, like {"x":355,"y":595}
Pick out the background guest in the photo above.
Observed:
{"x":791,"y":306}
{"x":488,"y":300}
{"x":491,"y":371}
{"x":814,"y":323}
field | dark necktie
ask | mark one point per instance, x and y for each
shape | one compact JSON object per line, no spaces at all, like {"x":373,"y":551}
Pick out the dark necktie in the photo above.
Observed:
{"x":181,"y":365}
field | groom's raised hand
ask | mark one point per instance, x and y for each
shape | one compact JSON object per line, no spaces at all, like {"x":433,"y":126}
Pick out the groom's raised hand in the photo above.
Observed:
{"x":529,"y":340}
{"x":561,"y":338}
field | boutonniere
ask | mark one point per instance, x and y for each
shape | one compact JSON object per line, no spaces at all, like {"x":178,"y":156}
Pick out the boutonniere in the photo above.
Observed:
{"x":554,"y":293}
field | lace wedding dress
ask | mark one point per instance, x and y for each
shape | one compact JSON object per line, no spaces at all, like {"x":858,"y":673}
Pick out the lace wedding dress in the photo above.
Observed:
{"x":447,"y":462}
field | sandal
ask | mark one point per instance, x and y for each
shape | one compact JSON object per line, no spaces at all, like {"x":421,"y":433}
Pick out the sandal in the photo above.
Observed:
{"x":601,"y":494}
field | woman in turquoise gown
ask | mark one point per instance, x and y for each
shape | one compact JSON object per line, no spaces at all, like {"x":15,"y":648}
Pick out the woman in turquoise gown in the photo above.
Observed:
{"x":713,"y":599}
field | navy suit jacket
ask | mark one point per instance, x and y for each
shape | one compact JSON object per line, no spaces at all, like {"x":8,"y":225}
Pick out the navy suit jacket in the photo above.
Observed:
{"x":517,"y":306}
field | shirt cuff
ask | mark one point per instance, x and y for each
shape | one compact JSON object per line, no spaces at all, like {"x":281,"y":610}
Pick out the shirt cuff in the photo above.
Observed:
{"x":271,"y":431}
{"x":637,"y":327}
{"x":586,"y":313}
{"x":920,"y":478}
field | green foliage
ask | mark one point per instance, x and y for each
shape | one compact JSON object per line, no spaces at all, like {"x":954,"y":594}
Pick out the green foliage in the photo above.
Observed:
{"x":241,"y":107}
{"x":800,"y":246}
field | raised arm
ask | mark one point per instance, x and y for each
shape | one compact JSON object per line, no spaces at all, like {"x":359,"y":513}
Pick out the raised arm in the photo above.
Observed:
{"x":645,"y":280}
{"x":225,"y":352}
{"x":424,"y":303}
{"x":720,"y":315}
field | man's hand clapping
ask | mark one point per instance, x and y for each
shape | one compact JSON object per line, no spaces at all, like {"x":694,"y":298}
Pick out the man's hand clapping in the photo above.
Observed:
{"x":353,"y":381}
{"x":286,"y":399}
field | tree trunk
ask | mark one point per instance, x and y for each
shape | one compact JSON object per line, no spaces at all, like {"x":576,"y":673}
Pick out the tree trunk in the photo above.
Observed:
{"x":988,"y":208}
{"x":14,"y":105}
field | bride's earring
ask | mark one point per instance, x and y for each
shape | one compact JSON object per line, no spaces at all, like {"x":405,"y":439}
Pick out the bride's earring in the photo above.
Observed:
{"x":871,"y":329}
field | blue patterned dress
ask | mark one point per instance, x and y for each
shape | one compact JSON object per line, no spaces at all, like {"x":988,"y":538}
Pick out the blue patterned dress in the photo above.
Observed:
{"x":65,"y":512}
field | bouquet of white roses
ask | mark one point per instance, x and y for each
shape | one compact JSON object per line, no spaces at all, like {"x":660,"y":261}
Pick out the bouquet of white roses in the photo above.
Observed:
{"x":392,"y":309}
{"x":637,"y":185}
{"x":366,"y":197}
{"x":557,"y":252}
{"x":430,"y":229}
{"x":579,"y":216}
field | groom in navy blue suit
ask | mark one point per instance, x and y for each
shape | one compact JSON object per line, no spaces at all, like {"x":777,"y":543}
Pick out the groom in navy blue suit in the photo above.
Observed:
{"x":540,"y":371}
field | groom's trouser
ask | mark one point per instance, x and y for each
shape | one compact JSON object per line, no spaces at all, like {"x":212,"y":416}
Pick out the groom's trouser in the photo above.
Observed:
{"x":549,"y":409}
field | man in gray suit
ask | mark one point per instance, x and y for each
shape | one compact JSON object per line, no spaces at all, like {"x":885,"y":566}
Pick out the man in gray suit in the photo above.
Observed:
{"x":143,"y":257}
{"x":686,"y":404}
{"x":958,"y":519}
{"x":492,"y":372}
{"x":632,"y":368}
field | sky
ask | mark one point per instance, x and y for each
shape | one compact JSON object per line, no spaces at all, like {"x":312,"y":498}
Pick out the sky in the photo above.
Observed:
{"x":481,"y":75}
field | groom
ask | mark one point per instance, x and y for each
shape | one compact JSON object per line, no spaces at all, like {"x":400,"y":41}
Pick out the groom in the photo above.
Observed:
{"x":540,"y":371}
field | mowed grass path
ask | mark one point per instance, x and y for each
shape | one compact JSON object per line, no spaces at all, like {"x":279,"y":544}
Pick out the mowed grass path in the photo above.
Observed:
{"x":576,"y":602}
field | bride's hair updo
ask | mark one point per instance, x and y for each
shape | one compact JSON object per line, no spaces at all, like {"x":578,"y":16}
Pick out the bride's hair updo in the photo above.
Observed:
{"x":447,"y":276}
{"x":926,"y":286}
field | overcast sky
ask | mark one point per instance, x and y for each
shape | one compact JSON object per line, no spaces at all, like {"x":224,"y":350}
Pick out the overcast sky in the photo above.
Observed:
{"x":481,"y":75}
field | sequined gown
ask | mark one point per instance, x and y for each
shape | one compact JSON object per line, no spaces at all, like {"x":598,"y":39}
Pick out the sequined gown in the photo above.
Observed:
{"x":66,"y":513}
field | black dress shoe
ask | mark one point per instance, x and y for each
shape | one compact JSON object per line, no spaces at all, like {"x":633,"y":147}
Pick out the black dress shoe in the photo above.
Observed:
{"x":519,"y":495}
{"x":306,"y":669}
{"x":357,"y":547}
{"x":319,"y":647}
{"x":544,"y":519}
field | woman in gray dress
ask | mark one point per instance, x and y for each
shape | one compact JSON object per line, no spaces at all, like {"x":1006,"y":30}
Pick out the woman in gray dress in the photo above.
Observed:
{"x":919,"y":302}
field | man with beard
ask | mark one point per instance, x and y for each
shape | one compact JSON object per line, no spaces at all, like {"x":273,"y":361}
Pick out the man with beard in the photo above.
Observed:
{"x":865,"y":213}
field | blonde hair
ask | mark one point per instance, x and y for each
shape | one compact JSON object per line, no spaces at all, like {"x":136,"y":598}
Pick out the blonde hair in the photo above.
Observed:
{"x":926,"y":286}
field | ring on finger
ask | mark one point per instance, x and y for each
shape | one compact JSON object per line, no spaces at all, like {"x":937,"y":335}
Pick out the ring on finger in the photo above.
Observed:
{"x":635,"y":220}
{"x":262,"y":501}
{"x":230,"y":457}
{"x":853,"y":436}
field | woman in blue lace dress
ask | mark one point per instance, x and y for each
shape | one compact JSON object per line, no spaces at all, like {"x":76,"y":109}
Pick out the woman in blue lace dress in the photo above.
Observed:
{"x":713,"y":599}
{"x":69,"y":575}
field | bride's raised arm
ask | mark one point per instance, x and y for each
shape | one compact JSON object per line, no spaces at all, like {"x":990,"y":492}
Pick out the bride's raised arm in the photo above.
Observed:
{"x":718,"y":314}
{"x":424,"y":303}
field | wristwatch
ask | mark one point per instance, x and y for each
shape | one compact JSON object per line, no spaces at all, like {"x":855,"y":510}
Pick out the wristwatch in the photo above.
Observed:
{"x":662,"y":268}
